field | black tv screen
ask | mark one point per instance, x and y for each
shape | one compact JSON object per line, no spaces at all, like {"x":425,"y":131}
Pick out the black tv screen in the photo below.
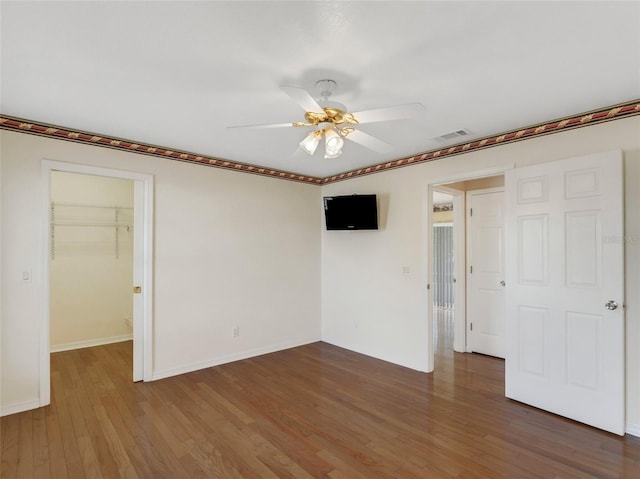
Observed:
{"x":354,"y":212}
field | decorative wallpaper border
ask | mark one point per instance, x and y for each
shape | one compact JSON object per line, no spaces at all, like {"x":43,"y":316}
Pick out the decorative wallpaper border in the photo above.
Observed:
{"x":76,"y":136}
{"x":439,"y":208}
{"x":602,"y":115}
{"x":594,"y":117}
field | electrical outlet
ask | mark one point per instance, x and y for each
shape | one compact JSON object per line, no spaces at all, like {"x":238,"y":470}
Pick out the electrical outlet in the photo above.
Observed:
{"x":236,"y":331}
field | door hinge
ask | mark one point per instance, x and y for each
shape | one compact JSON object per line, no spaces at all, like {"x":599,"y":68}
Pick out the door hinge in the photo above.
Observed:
{"x":470,"y":326}
{"x":471,"y":269}
{"x":470,"y":211}
{"x":137,"y":289}
{"x":428,"y":286}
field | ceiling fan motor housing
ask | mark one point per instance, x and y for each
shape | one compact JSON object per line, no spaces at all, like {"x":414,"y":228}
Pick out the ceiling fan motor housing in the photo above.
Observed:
{"x":332,"y":115}
{"x":326,"y":88}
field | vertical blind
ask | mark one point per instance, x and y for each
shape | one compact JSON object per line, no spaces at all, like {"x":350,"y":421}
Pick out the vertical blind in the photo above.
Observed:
{"x":443,"y":266}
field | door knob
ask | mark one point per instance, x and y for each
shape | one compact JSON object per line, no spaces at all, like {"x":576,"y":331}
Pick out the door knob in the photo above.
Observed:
{"x":611,"y":305}
{"x":502,"y":283}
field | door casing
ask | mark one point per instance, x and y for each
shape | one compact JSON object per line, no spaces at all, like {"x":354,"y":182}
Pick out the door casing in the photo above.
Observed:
{"x":143,"y":268}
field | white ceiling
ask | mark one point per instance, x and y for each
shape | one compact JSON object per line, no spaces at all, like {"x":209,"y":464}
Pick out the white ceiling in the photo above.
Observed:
{"x":176,"y":74}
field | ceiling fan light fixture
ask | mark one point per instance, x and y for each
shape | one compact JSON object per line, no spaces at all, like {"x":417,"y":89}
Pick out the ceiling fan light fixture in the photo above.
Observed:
{"x":335,"y":155}
{"x":310,"y":142}
{"x":333,"y":144}
{"x":335,"y":122}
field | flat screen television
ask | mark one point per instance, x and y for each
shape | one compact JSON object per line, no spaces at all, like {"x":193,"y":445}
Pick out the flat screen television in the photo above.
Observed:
{"x":353,"y":212}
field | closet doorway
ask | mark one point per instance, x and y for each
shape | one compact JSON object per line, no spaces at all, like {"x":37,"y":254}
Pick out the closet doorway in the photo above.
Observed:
{"x":98,"y":263}
{"x":91,"y":261}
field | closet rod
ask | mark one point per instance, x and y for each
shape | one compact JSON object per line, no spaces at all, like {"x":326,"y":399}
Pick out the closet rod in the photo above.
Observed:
{"x":77,"y":205}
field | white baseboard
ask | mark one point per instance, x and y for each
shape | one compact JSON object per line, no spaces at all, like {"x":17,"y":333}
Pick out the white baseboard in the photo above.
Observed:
{"x":633,"y":429}
{"x":91,"y":343}
{"x":188,"y":368}
{"x":15,"y":408}
{"x":422,"y":368}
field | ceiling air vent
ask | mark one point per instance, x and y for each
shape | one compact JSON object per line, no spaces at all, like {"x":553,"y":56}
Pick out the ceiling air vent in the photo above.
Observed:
{"x":452,"y":135}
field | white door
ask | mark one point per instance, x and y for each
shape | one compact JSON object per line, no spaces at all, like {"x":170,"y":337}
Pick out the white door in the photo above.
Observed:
{"x":565,"y":284}
{"x":138,"y":280}
{"x":485,"y":259}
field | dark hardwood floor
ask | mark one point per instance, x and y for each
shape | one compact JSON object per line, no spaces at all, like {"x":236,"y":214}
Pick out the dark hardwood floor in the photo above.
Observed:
{"x":312,"y":411}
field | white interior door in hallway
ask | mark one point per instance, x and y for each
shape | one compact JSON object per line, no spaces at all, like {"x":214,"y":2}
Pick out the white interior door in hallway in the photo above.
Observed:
{"x":485,"y":272}
{"x":565,"y":286}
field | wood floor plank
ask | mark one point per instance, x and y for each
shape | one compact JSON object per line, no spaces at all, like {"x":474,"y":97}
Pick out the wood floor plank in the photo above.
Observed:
{"x":40,"y":445}
{"x":226,"y":438}
{"x":97,"y":449}
{"x":115,"y":442}
{"x":57,"y":463}
{"x":10,"y":432}
{"x":143,"y":466}
{"x":25,"y":446}
{"x":309,"y":412}
{"x":155,"y":445}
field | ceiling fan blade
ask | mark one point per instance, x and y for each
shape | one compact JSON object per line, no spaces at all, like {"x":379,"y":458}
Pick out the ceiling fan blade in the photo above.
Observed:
{"x":303,"y":98}
{"x":398,"y":112}
{"x":266,"y":125}
{"x":369,"y":141}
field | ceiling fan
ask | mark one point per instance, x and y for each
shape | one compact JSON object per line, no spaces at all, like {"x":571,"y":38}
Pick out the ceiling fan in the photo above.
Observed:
{"x":332,"y":121}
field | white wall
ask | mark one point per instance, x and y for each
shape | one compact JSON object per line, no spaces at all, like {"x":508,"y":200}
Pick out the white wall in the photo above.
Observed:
{"x":230,"y":249}
{"x":91,"y":270}
{"x":369,"y":306}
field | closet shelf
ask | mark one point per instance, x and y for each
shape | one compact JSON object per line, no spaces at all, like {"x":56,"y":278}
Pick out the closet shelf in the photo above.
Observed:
{"x":119,"y":218}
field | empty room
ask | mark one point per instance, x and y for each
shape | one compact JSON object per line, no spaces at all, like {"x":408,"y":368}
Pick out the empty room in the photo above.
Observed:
{"x":305,"y":239}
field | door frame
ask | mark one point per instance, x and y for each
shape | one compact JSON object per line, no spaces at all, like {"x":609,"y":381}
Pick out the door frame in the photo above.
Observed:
{"x":142,"y":258}
{"x":459,"y":214}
